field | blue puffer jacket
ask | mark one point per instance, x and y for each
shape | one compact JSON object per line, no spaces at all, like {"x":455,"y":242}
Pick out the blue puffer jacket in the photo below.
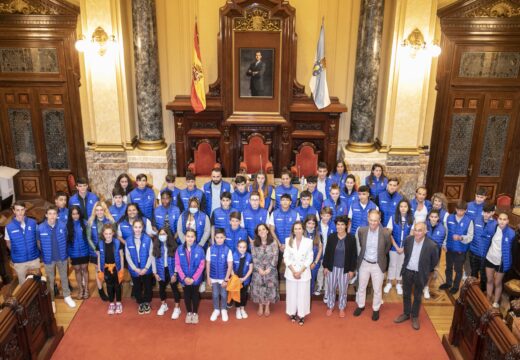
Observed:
{"x":240,"y":201}
{"x":117,"y":256}
{"x":338,"y":179}
{"x":159,"y":263}
{"x":185,"y":195}
{"x":474,"y":210}
{"x":91,"y":198}
{"x":378,"y":185}
{"x":172,"y":213}
{"x":23,"y":241}
{"x":400,"y":232}
{"x":234,"y":236}
{"x":190,"y":267}
{"x":200,"y":224}
{"x":317,"y":199}
{"x":236,"y":263}
{"x":283,"y":222}
{"x":63,"y":215}
{"x":508,"y":237}
{"x":252,"y":218}
{"x":387,"y":205}
{"x":221,"y":217}
{"x":45,"y":236}
{"x":457,"y":228}
{"x":79,"y":246}
{"x":437,"y":233}
{"x":94,"y":235}
{"x":218,"y":264}
{"x":360,"y":215}
{"x":338,"y":209}
{"x":482,"y":233}
{"x":309,"y":210}
{"x":117,"y":212}
{"x":144,"y":253}
{"x":145,"y":199}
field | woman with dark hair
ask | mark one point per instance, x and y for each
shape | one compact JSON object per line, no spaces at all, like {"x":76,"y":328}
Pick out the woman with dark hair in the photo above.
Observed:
{"x":124,"y":185}
{"x":265,"y":191}
{"x":132,"y":213}
{"x":338,"y":176}
{"x":164,"y":248}
{"x":298,"y":257}
{"x":264,"y":283}
{"x":339,"y":265}
{"x":78,"y":249}
{"x":400,"y":225}
{"x":376,"y":181}
{"x":349,"y":191}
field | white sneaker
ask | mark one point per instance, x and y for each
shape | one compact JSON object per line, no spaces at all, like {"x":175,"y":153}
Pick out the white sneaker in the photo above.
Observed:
{"x":71,"y":303}
{"x":426,"y":292}
{"x":214,"y":315}
{"x":162,"y":309}
{"x":244,"y":314}
{"x":202,"y":287}
{"x":387,"y":288}
{"x":325,"y":299}
{"x":224,"y":315}
{"x":464,"y":276}
{"x":53,"y":307}
{"x":317,"y":293}
{"x":239,"y":314}
{"x":176,"y":313}
{"x":399,"y":288}
{"x":496,"y":305}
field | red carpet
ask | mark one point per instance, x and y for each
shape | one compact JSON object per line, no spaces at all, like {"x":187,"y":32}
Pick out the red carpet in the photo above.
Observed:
{"x":92,"y":334}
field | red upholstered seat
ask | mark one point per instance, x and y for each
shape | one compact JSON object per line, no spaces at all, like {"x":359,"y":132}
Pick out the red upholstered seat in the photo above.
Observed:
{"x":256,"y":156}
{"x":306,"y":163}
{"x":71,"y":183}
{"x":504,"y":202}
{"x":205,"y":159}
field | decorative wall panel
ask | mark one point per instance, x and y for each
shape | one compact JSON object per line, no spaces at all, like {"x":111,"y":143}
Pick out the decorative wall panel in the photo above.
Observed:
{"x":459,"y":148}
{"x":29,"y":60}
{"x":490,"y":64}
{"x":494,"y":144}
{"x":22,"y":138}
{"x":55,"y":139}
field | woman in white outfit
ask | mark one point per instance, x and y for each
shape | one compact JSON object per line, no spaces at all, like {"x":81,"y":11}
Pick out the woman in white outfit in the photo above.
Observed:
{"x":298,"y":257}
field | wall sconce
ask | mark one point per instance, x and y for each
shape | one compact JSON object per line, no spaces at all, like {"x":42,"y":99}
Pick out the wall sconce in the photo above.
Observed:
{"x":100,"y":42}
{"x":415,"y":43}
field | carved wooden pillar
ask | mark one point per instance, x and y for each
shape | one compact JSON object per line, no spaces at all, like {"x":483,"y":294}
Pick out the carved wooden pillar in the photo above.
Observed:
{"x":226,"y":152}
{"x":179,"y":143}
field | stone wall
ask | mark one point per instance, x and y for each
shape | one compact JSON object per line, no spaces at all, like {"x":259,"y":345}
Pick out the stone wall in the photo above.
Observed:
{"x":103,"y":170}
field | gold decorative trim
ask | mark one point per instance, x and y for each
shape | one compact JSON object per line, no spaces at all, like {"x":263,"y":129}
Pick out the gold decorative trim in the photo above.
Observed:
{"x":256,"y":19}
{"x":410,"y":151}
{"x":500,"y":9}
{"x":361,"y":147}
{"x":151,"y":144}
{"x":24,"y":7}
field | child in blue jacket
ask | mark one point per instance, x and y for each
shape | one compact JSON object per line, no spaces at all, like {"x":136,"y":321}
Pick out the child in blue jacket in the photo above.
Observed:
{"x":243,"y":268}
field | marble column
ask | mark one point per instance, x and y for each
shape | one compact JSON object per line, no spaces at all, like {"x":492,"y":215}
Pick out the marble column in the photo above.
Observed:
{"x":148,"y":87}
{"x":364,"y":102}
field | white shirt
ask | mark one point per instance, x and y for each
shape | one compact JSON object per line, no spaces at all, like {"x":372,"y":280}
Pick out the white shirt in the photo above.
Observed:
{"x":298,"y":257}
{"x":322,"y":187}
{"x":421,"y":215}
{"x":371,"y":247}
{"x":413,"y":263}
{"x":6,"y":235}
{"x":208,"y":259}
{"x":324,"y":234}
{"x":494,"y":254}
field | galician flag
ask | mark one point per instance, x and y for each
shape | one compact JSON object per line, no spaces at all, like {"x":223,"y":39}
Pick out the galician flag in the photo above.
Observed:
{"x":198,"y":96}
{"x":318,"y":82}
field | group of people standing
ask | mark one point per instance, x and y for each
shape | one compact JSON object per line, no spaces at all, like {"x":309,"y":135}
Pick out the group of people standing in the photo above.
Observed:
{"x":238,"y":239}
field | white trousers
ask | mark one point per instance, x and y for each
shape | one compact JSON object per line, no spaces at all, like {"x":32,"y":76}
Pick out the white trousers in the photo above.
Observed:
{"x":297,"y":297}
{"x":395,"y":265}
{"x":367,"y":271}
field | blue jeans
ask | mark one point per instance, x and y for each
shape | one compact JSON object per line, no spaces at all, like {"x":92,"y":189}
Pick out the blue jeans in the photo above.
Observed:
{"x":219,"y":296}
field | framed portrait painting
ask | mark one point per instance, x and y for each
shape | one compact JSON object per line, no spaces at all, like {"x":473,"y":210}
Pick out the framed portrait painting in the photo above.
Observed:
{"x":256,"y":72}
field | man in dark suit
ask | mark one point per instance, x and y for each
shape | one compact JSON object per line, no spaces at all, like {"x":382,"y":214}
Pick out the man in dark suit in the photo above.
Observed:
{"x":373,"y":245}
{"x":420,"y":257}
{"x":256,"y":73}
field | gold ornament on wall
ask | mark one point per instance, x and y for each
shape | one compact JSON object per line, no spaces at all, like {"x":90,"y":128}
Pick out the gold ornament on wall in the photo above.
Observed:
{"x":24,"y":7}
{"x":416,"y":43}
{"x":257,"y":20}
{"x":100,"y":42}
{"x":500,"y":9}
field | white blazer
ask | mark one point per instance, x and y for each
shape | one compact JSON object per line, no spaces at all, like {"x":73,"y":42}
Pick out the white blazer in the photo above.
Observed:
{"x":298,"y":258}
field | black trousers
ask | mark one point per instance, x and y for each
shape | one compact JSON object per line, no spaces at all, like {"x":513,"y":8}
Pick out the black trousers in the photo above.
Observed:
{"x":412,"y":284}
{"x":164,"y":284}
{"x":143,"y":288}
{"x":478,"y":267}
{"x":113,"y":286}
{"x":454,"y":260}
{"x":191,"y":298}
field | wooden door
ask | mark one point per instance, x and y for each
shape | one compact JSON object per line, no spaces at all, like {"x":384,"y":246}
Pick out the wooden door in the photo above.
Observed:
{"x":35,"y":132}
{"x":480,"y":132}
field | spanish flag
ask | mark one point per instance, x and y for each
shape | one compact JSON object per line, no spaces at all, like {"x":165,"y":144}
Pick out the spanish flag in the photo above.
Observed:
{"x":198,"y":97}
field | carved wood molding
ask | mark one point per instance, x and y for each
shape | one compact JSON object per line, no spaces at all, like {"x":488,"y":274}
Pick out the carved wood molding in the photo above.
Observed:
{"x":257,"y":19}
